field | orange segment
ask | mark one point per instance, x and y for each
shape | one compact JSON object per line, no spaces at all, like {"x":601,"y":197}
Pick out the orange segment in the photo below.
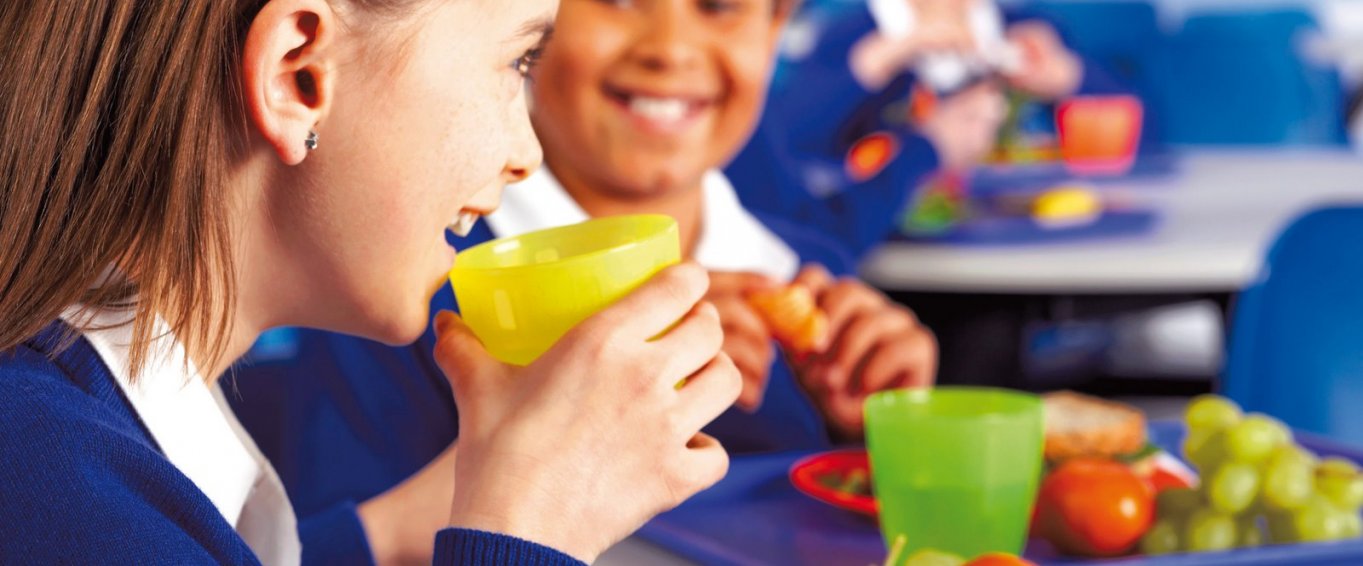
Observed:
{"x":812,"y":334}
{"x":793,"y":317}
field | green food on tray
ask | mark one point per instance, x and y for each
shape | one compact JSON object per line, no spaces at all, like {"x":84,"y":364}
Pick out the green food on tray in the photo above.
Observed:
{"x":855,"y":482}
{"x":1258,"y":487}
{"x":930,"y":557}
{"x":939,"y":205}
{"x":934,"y":557}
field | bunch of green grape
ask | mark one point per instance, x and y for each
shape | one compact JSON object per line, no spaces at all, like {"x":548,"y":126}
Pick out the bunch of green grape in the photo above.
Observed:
{"x":1257,"y":487}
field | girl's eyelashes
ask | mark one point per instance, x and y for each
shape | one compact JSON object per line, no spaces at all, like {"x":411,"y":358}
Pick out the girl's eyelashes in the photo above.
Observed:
{"x":528,"y":61}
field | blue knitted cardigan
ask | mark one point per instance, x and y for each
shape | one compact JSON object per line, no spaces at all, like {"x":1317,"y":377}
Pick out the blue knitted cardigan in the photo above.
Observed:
{"x":82,"y":481}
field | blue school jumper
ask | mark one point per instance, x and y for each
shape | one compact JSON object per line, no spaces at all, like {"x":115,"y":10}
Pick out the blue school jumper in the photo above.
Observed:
{"x":366,"y":416}
{"x":797,"y":163}
{"x":82,"y":481}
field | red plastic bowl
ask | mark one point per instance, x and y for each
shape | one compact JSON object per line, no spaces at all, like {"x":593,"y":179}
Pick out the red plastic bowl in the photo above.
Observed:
{"x":805,"y":475}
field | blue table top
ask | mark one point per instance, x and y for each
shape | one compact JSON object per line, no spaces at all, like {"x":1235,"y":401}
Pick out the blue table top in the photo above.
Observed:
{"x":1155,"y":163}
{"x":755,"y":516}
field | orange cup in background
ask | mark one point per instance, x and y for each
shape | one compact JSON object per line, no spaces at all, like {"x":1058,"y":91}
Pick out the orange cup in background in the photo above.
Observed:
{"x":1099,"y":135}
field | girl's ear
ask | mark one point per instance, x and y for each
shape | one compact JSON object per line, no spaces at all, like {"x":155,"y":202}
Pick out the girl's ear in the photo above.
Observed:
{"x":288,"y":73}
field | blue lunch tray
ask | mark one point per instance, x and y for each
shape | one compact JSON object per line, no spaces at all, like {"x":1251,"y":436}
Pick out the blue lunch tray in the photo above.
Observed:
{"x":755,"y":516}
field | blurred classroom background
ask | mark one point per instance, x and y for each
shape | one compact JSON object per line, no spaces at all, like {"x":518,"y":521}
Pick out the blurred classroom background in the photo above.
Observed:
{"x":1251,"y":121}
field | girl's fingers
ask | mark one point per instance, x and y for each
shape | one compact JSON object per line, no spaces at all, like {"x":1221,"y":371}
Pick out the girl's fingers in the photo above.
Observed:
{"x":707,"y":394}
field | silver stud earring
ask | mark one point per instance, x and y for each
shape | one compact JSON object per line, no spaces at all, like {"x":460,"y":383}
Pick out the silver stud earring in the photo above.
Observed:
{"x":311,"y":142}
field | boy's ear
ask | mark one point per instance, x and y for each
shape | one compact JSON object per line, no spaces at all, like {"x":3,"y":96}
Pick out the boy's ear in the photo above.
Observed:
{"x":782,"y":12}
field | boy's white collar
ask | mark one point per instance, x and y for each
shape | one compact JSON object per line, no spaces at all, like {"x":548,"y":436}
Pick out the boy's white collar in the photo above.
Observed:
{"x":730,"y":237}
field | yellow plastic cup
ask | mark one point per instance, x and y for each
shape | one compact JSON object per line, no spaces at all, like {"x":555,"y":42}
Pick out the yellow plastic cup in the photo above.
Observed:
{"x":519,"y":295}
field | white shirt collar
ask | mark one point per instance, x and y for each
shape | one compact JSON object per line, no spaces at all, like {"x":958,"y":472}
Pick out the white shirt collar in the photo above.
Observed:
{"x":198,"y":433}
{"x":730,"y":237}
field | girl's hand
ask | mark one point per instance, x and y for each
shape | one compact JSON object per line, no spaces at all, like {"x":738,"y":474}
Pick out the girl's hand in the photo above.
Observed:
{"x":746,"y":338}
{"x":400,"y":523}
{"x":580,"y":448}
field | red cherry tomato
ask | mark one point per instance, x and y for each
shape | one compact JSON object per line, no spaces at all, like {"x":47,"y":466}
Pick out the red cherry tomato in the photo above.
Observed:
{"x":1094,"y":507}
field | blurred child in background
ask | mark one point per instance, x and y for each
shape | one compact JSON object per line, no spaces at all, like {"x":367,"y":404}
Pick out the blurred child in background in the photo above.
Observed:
{"x":847,"y":135}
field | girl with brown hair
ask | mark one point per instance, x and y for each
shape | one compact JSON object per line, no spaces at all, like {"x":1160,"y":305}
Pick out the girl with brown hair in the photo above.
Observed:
{"x":180,"y":176}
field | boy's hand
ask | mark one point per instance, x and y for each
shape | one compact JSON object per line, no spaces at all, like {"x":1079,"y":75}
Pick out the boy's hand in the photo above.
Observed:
{"x":876,"y":345}
{"x":1049,"y":69}
{"x":964,"y":127}
{"x":746,"y":338}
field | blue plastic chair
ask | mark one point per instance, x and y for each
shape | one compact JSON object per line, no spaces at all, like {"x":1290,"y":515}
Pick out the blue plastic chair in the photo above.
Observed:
{"x":1296,"y":342}
{"x":1240,"y":78}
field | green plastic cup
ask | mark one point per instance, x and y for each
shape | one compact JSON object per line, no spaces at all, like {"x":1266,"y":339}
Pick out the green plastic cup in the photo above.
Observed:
{"x":955,"y":468}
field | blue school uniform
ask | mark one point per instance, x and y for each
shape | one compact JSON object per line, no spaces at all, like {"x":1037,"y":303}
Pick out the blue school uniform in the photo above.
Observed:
{"x":83,"y":481}
{"x":368,"y":416}
{"x":798,"y":164}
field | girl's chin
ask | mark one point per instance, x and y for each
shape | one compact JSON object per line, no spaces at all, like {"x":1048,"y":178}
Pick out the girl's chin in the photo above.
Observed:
{"x":404,"y":331}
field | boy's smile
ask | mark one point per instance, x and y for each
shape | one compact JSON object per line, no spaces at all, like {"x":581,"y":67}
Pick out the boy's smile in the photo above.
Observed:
{"x":641,"y":97}
{"x":661,"y":113}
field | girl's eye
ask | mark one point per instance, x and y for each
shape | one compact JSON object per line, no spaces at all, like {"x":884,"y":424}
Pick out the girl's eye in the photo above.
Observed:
{"x":527,"y":62}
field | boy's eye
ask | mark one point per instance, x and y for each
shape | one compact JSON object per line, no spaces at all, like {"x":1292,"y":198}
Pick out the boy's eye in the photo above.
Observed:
{"x":719,"y":6}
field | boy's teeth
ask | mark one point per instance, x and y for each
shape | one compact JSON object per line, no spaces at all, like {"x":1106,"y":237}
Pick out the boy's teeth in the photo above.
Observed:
{"x":660,"y":109}
{"x":463,"y":223}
